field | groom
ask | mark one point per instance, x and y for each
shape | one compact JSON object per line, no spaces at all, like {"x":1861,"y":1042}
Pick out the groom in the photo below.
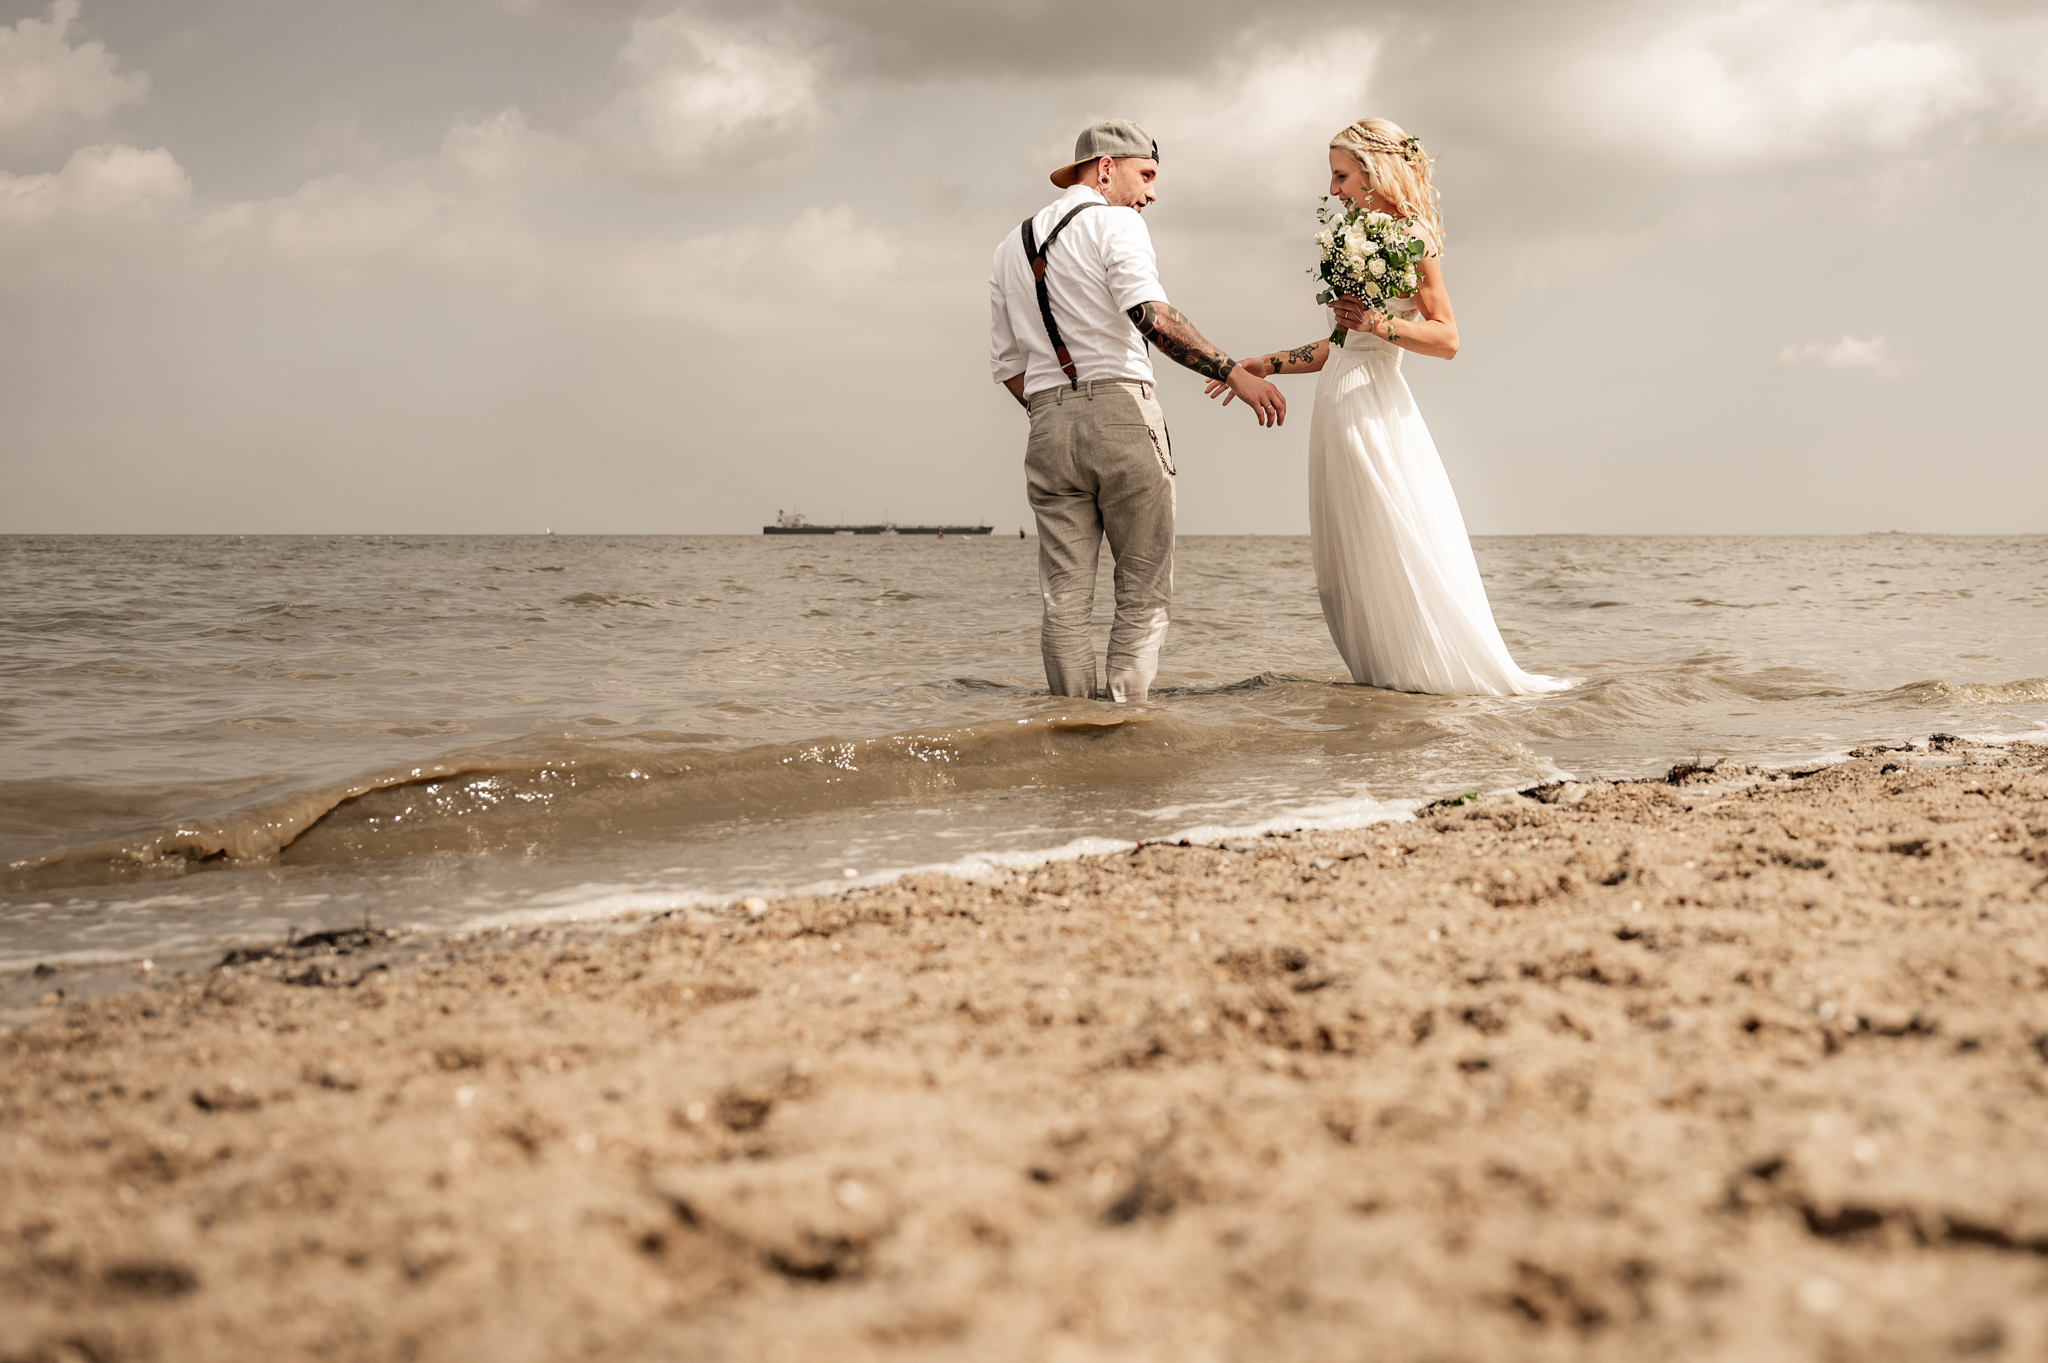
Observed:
{"x":1074,"y":296}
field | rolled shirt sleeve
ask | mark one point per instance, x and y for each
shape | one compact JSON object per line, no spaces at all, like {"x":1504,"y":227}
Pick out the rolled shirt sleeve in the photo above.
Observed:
{"x":1132,"y":267}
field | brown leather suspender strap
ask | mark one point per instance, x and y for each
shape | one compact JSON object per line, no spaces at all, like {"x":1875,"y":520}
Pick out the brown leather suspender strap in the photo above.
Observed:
{"x":1036,"y":252}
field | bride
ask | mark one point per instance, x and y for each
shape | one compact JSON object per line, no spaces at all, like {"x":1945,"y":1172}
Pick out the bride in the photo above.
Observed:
{"x":1394,"y":567}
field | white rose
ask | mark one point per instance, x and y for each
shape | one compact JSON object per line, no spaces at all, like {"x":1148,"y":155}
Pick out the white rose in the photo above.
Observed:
{"x":1376,"y":218}
{"x":1377,"y":266}
{"x":1373,"y":289}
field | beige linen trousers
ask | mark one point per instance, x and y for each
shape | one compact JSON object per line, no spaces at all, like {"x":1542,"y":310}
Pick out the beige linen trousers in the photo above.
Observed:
{"x":1099,"y":465}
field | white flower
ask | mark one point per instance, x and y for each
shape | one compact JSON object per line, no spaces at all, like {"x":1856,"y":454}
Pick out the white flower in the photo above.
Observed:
{"x":1378,"y":218}
{"x":1377,"y":266}
{"x":1374,"y":290}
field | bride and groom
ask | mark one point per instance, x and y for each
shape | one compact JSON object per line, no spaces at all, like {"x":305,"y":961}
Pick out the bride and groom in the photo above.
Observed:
{"x":1075,"y":299}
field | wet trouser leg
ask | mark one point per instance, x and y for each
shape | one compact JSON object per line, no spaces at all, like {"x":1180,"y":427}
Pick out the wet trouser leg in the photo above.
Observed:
{"x":1098,"y":465}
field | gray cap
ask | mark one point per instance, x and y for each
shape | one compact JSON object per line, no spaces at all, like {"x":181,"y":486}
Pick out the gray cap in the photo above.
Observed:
{"x":1114,"y":137}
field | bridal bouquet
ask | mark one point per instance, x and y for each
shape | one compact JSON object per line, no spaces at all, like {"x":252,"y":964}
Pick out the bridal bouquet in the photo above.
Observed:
{"x":1366,"y":255}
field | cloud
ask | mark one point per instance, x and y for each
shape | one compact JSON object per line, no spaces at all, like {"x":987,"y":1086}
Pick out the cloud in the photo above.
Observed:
{"x":490,"y":206}
{"x":1851,"y":352}
{"x":941,"y":40}
{"x":771,"y":281}
{"x":1253,"y":131}
{"x":693,"y":98}
{"x":470,"y":208}
{"x":48,"y":88}
{"x":98,"y":186}
{"x":1759,"y":81}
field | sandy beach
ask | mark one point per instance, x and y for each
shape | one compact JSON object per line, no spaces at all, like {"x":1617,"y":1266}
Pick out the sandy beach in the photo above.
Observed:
{"x":1737,"y":1064}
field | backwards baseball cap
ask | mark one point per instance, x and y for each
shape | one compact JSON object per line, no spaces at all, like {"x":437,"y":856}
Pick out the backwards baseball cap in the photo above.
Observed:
{"x":1115,"y":137}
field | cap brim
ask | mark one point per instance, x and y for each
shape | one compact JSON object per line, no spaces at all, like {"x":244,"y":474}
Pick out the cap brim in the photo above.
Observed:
{"x":1065,"y":176}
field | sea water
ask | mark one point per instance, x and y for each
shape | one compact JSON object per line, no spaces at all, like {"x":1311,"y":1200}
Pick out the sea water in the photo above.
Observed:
{"x":211,"y":740}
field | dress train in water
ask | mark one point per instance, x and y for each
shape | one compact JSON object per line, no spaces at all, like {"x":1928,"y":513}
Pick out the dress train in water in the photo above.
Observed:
{"x":1394,"y":566}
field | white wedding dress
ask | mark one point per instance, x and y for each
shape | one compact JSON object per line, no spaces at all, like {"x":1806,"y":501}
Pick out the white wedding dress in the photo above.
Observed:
{"x":1394,"y":566}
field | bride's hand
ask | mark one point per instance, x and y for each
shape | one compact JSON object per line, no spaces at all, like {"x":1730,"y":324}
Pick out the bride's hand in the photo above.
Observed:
{"x":1221,"y":388}
{"x":1351,"y":313}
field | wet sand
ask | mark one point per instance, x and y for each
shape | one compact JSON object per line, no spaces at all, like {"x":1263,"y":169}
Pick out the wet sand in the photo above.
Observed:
{"x":1739,"y":1065}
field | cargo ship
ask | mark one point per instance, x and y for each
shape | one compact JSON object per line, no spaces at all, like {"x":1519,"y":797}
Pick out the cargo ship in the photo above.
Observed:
{"x":791,"y":523}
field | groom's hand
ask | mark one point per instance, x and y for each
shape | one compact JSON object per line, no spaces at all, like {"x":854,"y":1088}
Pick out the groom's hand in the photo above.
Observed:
{"x":1263,"y":398}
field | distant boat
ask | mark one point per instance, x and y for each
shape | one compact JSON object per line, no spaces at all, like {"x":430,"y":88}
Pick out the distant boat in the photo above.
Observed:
{"x":791,"y":523}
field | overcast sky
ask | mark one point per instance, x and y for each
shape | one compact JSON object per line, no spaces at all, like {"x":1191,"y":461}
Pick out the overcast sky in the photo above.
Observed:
{"x":473,"y":266}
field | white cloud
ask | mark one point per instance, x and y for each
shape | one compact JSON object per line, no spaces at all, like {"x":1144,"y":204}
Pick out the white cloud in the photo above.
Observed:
{"x":48,"y":87}
{"x":507,"y":151}
{"x":468,"y":208}
{"x":1851,"y":352}
{"x":773,"y":280}
{"x":1253,"y":131}
{"x":692,"y":98}
{"x":98,"y":186}
{"x":1764,"y":80}
{"x":488,"y":207}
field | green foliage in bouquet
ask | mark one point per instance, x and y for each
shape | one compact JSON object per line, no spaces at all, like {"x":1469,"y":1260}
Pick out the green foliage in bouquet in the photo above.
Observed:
{"x":1366,"y":255}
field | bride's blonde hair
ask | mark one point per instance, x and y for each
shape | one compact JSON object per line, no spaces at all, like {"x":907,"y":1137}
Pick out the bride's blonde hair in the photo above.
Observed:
{"x":1395,"y":165}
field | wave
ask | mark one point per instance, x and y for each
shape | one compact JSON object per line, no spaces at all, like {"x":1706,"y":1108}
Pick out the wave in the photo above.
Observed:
{"x":2025,"y":691}
{"x":557,"y":793}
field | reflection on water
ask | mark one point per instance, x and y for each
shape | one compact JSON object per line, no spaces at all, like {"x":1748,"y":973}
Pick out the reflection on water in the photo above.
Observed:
{"x":207,"y":737}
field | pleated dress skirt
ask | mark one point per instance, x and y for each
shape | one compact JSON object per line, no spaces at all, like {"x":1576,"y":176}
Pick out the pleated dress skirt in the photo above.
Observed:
{"x":1394,"y":567}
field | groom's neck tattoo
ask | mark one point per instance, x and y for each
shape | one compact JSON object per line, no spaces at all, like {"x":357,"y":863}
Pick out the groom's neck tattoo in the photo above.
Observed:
{"x":1164,"y":325}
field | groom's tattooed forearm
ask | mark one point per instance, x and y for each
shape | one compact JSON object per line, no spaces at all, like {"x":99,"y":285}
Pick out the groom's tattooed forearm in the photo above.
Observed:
{"x":1166,"y":327}
{"x":1301,"y":354}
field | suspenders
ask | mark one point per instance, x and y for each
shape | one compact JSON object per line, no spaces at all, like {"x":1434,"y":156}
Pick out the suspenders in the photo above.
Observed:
{"x":1036,"y":252}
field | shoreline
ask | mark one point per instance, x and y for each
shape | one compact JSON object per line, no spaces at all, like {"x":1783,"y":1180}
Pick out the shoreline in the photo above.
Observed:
{"x":23,"y":984}
{"x":1688,"y":1068}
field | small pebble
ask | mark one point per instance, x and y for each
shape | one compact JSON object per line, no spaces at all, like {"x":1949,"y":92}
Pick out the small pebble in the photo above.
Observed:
{"x":1820,"y":1296}
{"x":755,"y":907}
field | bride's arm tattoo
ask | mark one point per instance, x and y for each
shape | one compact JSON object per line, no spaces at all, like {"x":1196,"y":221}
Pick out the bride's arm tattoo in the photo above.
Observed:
{"x":1169,"y":329}
{"x":1301,"y":354}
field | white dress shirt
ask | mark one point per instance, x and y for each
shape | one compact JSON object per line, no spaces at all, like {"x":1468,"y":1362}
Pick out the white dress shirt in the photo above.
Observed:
{"x":1101,"y":265}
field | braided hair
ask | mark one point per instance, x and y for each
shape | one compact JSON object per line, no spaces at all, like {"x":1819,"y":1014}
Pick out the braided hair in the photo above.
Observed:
{"x":1395,"y":165}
